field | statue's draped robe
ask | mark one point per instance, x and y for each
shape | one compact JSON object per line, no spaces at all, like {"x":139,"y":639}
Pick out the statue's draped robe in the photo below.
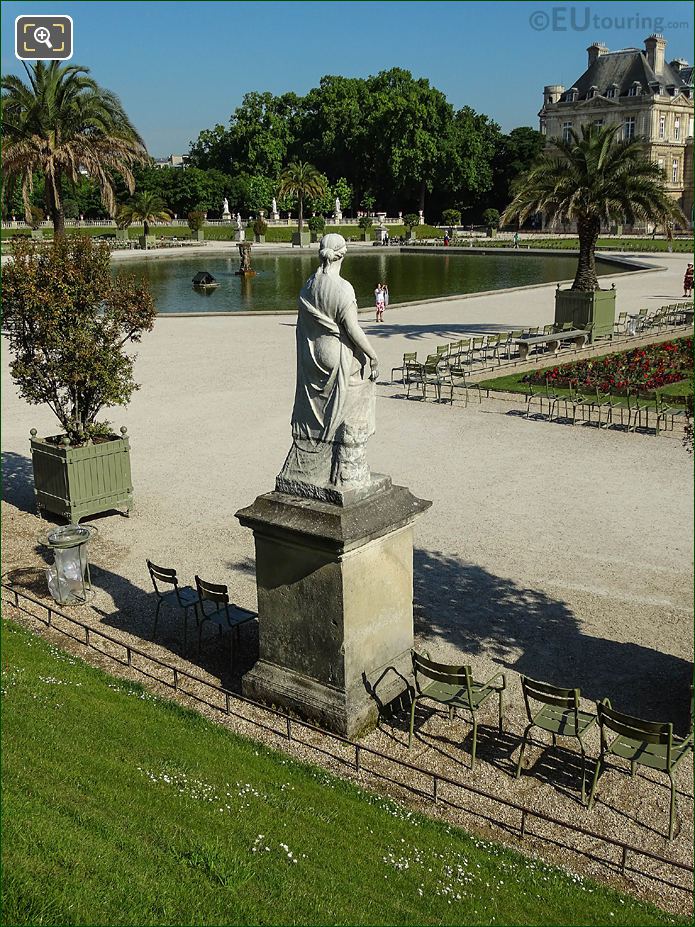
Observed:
{"x":334,"y":399}
{"x":333,"y":385}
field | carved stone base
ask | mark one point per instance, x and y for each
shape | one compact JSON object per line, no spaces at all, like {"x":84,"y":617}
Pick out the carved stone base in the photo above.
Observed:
{"x":335,"y":604}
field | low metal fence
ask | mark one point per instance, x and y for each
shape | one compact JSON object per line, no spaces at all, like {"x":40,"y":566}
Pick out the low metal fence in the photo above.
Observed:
{"x":290,"y":727}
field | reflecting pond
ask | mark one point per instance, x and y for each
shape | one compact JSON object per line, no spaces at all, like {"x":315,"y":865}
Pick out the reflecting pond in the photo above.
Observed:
{"x":280,"y":277}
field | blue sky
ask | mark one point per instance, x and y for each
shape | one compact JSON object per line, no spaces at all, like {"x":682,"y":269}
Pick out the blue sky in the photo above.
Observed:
{"x":183,"y":66}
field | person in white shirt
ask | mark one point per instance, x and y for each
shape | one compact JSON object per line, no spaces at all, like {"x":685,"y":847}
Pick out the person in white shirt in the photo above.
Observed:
{"x":379,"y":299}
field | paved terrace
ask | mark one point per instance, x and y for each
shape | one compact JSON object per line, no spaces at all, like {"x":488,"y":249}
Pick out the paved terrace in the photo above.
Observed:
{"x":564,"y":553}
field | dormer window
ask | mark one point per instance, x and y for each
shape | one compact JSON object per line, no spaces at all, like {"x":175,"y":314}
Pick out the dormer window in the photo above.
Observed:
{"x":656,"y":89}
{"x":572,"y":95}
{"x":634,"y":90}
{"x":593,"y":91}
{"x":671,"y":90}
{"x":612,"y":91}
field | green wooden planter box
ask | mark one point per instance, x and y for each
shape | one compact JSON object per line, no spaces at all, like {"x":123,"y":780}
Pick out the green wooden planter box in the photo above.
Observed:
{"x":301,"y":238}
{"x":37,"y":234}
{"x":199,"y":235}
{"x":582,"y":309}
{"x":78,"y":481}
{"x":260,"y":239}
{"x":122,"y":235}
{"x":147,"y":241}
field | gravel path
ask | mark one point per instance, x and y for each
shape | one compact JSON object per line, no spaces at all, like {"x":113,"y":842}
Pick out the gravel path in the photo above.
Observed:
{"x":563,"y":553}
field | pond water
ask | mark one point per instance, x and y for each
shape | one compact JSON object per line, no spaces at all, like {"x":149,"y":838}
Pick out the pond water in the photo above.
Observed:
{"x":280,"y":277}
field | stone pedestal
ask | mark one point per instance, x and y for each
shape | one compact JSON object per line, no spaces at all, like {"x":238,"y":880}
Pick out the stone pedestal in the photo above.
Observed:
{"x":335,"y":604}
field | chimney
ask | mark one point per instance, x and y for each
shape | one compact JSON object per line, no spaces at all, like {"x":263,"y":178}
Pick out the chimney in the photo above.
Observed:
{"x":552,"y":93}
{"x":595,"y":51}
{"x":655,"y":50}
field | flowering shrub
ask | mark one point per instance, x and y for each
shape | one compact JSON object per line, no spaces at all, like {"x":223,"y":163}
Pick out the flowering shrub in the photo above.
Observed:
{"x":642,"y":370}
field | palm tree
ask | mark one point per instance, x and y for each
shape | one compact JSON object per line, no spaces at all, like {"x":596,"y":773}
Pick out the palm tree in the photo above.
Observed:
{"x":62,"y":123}
{"x":590,"y":180}
{"x":301,"y":179}
{"x":146,"y":207}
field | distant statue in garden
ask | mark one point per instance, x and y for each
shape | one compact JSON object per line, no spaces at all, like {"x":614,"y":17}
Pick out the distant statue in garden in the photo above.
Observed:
{"x":238,"y":221}
{"x":275,"y":206}
{"x":337,"y":205}
{"x":334,"y":402}
{"x":225,"y":207}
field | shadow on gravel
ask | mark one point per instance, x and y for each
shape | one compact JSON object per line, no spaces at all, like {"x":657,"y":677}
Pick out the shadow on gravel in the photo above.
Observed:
{"x":18,"y":481}
{"x":477,"y":612}
{"x":135,"y":612}
{"x":418,"y":332}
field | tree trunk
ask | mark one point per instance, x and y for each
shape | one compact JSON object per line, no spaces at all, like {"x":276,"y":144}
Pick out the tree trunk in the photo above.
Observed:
{"x":57,"y":212}
{"x":301,"y":211}
{"x":145,"y":227}
{"x":586,"y":279}
{"x":422,"y":195}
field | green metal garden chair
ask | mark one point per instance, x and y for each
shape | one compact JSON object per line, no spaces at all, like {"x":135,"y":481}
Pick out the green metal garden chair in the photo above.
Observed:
{"x":458,"y":379}
{"x":182,"y":597}
{"x":663,"y":412}
{"x":559,"y":715}
{"x":216,"y":608}
{"x":454,"y":687}
{"x":642,"y":743}
{"x":408,"y":358}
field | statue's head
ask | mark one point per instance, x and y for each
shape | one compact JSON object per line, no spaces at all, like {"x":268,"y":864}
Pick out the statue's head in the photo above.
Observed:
{"x":332,"y":248}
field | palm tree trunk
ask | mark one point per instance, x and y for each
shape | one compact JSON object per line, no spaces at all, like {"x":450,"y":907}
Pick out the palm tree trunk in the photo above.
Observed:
{"x":422,"y":195}
{"x":301,"y":211}
{"x":586,"y":279}
{"x":145,"y":227}
{"x":56,"y":211}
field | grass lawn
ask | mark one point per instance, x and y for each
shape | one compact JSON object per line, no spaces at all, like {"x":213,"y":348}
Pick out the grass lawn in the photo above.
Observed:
{"x":679,"y":245}
{"x":120,"y":808}
{"x":275,"y":233}
{"x":513,"y":383}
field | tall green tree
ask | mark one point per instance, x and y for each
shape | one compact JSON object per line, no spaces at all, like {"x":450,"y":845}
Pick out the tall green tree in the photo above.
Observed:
{"x":513,"y":154}
{"x":409,"y":120}
{"x":300,"y":180}
{"x":590,"y":179}
{"x":61,"y":123}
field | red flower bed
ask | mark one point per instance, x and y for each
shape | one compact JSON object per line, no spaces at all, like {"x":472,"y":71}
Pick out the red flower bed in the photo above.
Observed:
{"x":641,"y":370}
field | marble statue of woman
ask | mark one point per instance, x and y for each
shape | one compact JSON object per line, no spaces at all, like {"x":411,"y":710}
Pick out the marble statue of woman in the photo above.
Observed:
{"x":337,"y":206}
{"x":238,"y":220}
{"x":275,"y":205}
{"x":225,"y":206}
{"x":334,"y":401}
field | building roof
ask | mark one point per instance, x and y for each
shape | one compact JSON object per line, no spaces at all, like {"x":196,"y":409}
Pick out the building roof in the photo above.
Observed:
{"x":622,"y":69}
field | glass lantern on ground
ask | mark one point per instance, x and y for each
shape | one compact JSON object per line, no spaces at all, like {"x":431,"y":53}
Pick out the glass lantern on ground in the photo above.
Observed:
{"x":69,"y":580}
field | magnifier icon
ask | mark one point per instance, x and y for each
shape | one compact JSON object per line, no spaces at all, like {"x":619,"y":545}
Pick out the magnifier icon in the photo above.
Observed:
{"x":43,"y":36}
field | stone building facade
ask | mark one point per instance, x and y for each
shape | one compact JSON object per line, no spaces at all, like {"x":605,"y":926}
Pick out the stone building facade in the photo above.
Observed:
{"x":641,"y":92}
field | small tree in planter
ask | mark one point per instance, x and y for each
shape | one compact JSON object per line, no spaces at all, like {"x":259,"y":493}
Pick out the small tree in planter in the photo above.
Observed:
{"x":147,"y":207}
{"x":316,"y":224}
{"x":260,"y":227}
{"x":491,"y":221}
{"x":123,"y":222}
{"x":196,"y":221}
{"x":451,"y":217}
{"x":590,"y":179}
{"x":300,"y":180}
{"x":410,"y":220}
{"x":366,"y":223}
{"x":68,"y":322}
{"x":35,"y":217}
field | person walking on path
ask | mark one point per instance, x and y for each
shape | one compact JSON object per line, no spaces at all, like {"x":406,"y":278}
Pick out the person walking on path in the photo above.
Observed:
{"x":516,"y":239}
{"x":688,"y":281}
{"x":385,"y":291}
{"x":379,"y":300}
